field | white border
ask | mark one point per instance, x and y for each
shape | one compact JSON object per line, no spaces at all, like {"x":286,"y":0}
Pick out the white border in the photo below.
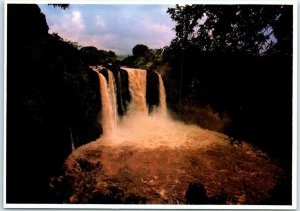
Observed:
{"x":165,"y":2}
{"x":4,"y":103}
{"x":192,"y":207}
{"x":150,"y":206}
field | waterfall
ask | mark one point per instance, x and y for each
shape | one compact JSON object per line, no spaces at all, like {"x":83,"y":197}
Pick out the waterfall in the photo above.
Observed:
{"x":162,"y":96}
{"x":137,"y":127}
{"x":137,"y":108}
{"x":137,"y":86}
{"x":107,"y":116}
{"x":112,"y":95}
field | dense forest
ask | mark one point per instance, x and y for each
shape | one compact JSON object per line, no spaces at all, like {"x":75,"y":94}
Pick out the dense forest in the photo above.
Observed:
{"x":228,"y":69}
{"x":239,"y":61}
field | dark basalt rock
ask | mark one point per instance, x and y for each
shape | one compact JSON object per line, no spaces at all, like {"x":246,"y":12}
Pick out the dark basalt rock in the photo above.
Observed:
{"x":152,"y":90}
{"x":124,"y":96}
{"x":105,"y":74}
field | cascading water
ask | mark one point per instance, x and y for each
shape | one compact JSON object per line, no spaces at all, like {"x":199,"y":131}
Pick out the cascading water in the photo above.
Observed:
{"x":162,"y":96}
{"x":107,"y":116}
{"x":139,"y":128}
{"x":136,"y":124}
{"x":137,"y":86}
{"x":112,"y":95}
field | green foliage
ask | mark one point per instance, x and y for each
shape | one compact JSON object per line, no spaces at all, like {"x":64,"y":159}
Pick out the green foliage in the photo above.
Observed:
{"x":143,"y":57}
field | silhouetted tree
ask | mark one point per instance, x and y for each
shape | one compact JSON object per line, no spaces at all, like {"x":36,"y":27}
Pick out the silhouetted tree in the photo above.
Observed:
{"x":253,"y":29}
{"x":62,"y":6}
{"x":140,"y":50}
{"x":92,"y":56}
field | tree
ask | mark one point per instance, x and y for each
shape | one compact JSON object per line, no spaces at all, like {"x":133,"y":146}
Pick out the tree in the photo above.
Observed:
{"x":238,"y":60}
{"x":140,"y":50}
{"x":62,"y":6}
{"x":112,"y":55}
{"x":251,"y":29}
{"x":224,"y":38}
{"x":90,"y":55}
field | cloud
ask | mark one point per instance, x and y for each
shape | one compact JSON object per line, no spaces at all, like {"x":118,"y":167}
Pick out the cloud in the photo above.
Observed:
{"x":103,"y":42}
{"x":70,"y":26}
{"x":99,"y":21}
{"x":112,"y":27}
{"x":157,"y":34}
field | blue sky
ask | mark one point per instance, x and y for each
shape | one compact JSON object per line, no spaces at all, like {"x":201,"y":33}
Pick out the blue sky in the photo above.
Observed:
{"x":112,"y":27}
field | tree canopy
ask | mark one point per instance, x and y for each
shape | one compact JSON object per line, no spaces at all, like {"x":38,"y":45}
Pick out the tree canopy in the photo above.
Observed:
{"x":251,"y":29}
{"x":140,"y":50}
{"x":62,"y":6}
{"x":236,"y":59}
{"x":144,"y":57}
{"x":92,"y":56}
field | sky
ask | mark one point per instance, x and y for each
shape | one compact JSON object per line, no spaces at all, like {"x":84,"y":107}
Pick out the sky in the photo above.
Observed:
{"x":112,"y":27}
